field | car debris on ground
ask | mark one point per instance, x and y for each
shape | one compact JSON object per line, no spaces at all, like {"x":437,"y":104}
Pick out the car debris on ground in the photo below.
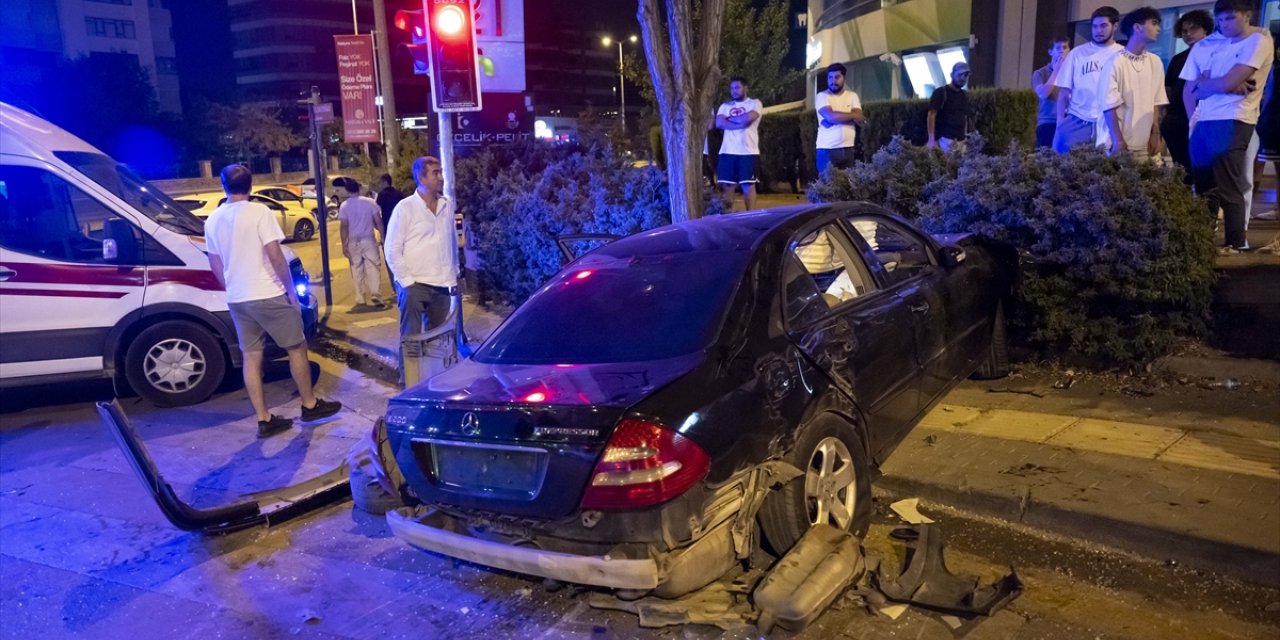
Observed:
{"x":828,"y":567}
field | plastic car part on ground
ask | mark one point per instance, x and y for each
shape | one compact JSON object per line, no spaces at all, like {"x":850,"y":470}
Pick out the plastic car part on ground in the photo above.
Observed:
{"x":927,"y":583}
{"x":266,"y":507}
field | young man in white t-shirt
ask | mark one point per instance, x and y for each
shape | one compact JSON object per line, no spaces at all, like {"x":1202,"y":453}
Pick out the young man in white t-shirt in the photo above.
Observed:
{"x":243,"y":239}
{"x":1077,"y":83}
{"x":1227,"y":74}
{"x":739,"y":118}
{"x":1131,"y":89}
{"x":839,"y":110}
{"x":359,"y":217}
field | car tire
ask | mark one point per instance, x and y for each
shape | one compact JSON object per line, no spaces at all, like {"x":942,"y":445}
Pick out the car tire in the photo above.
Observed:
{"x":175,"y":363}
{"x":790,"y":511}
{"x":995,"y":362}
{"x":303,"y":231}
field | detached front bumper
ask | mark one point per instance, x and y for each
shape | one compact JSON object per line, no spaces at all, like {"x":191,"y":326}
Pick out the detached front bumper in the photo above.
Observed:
{"x":428,"y":528}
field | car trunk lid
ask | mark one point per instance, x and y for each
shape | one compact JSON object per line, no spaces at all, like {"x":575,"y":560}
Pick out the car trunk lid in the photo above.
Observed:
{"x":519,"y":440}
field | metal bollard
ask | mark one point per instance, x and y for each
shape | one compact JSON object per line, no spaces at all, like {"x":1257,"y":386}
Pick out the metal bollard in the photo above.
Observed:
{"x":426,"y":354}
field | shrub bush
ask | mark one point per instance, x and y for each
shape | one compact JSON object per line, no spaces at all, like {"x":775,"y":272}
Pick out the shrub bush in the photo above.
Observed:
{"x":519,"y":199}
{"x":1119,"y":255}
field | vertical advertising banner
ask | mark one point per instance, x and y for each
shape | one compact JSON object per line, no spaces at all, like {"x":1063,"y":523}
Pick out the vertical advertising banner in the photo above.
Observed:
{"x":355,"y":81}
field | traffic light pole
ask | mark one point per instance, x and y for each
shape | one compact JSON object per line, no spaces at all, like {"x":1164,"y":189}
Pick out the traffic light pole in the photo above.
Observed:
{"x":446,"y":167}
{"x":322,"y":202}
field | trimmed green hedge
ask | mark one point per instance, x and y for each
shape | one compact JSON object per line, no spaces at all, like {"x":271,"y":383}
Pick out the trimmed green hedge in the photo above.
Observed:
{"x":1118,"y":256}
{"x":1002,"y":116}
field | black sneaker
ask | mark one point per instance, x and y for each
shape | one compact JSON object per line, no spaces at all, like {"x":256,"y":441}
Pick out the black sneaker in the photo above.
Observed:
{"x":277,"y":424}
{"x":322,"y":409}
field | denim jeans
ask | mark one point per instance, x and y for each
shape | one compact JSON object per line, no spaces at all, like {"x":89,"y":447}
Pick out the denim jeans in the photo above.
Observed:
{"x":841,"y":157}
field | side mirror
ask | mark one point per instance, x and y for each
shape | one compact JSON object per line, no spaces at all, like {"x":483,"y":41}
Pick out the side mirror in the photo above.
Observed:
{"x":952,"y":256}
{"x":119,"y":244}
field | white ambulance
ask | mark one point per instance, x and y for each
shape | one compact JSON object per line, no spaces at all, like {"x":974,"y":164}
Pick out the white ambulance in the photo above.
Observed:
{"x":102,"y":275}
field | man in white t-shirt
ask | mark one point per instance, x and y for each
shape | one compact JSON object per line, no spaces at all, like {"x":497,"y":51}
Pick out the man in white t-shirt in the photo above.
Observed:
{"x":740,"y":150}
{"x":1077,"y":83}
{"x":839,"y":110}
{"x":1131,"y":89}
{"x":359,"y":217}
{"x":1227,"y":74}
{"x":243,"y":239}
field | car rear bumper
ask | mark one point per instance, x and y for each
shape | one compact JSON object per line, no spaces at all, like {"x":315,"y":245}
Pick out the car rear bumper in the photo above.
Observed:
{"x":428,"y":529}
{"x":667,"y":574}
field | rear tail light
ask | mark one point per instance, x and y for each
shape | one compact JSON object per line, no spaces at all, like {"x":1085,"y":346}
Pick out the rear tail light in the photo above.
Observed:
{"x":643,"y":465}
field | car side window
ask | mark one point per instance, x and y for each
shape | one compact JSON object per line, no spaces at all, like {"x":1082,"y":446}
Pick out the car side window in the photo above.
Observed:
{"x":822,"y":272}
{"x":901,"y":252}
{"x":42,"y":214}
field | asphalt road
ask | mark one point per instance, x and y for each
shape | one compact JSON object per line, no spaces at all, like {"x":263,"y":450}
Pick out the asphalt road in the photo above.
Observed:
{"x":84,"y":553}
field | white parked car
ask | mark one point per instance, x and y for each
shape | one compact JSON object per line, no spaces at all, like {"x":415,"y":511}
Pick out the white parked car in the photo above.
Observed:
{"x":297,"y":221}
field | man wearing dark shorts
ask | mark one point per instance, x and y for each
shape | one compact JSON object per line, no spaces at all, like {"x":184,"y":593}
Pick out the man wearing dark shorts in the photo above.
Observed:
{"x":243,"y":239}
{"x":740,"y":150}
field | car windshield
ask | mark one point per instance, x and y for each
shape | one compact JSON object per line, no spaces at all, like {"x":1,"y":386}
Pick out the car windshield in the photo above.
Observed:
{"x":126,"y":185}
{"x":611,"y":308}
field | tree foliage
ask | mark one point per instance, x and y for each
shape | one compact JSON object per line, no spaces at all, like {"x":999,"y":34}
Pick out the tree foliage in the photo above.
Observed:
{"x":253,"y":130}
{"x":755,"y":45}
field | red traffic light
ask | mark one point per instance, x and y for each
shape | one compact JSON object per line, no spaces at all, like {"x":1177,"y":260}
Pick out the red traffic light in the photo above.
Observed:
{"x":455,"y":78}
{"x":406,"y":20}
{"x":449,"y":21}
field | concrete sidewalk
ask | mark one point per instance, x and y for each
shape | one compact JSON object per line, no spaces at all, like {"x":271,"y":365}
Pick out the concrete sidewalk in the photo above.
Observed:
{"x":1208,"y":499}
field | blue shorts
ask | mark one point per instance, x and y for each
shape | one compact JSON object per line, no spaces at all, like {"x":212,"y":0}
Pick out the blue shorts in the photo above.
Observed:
{"x":731,"y":169}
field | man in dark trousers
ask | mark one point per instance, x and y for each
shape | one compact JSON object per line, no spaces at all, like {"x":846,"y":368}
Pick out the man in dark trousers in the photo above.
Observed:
{"x":1192,"y":27}
{"x":387,"y":199}
{"x":949,"y":111}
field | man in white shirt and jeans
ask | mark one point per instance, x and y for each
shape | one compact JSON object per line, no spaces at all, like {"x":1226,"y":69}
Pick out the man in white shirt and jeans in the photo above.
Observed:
{"x":1131,"y":89}
{"x":360,"y":217}
{"x":421,"y":248}
{"x":839,"y":109}
{"x":740,"y":149}
{"x":243,"y":239}
{"x":1227,"y":73}
{"x":1077,"y":83}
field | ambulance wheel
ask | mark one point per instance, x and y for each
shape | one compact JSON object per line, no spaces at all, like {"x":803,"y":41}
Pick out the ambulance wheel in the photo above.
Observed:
{"x":175,"y":363}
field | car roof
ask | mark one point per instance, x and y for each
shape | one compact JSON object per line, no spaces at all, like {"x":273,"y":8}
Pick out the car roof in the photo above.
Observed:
{"x":730,"y":232}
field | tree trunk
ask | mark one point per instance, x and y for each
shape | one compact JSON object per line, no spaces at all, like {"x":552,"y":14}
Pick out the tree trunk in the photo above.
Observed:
{"x":686,"y":78}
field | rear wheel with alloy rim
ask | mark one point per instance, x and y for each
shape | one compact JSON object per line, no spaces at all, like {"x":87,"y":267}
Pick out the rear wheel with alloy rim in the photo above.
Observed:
{"x":175,"y":363}
{"x":303,"y":230}
{"x":834,"y":490}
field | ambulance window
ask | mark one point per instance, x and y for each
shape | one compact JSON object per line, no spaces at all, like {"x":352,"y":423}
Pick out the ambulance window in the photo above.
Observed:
{"x":41,"y":214}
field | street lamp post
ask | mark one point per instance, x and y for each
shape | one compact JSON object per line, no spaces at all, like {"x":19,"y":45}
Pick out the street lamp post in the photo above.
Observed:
{"x":622,"y":92}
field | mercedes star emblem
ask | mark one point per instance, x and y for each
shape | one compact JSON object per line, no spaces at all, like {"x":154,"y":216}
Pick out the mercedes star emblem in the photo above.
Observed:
{"x":471,"y":424}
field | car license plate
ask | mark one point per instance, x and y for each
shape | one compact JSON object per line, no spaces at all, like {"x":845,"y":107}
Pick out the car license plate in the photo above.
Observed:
{"x":498,"y":470}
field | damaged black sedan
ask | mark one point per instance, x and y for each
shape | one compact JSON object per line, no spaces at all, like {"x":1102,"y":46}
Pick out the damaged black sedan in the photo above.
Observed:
{"x":631,"y":423}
